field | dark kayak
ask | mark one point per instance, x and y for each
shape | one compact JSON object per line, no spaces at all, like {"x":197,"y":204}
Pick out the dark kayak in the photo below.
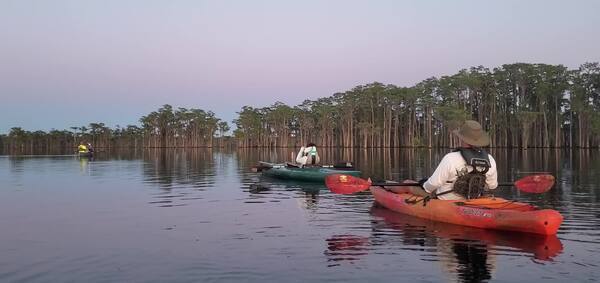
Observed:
{"x":306,"y":174}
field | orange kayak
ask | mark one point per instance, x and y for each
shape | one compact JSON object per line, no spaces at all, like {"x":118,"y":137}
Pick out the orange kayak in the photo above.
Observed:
{"x":487,"y":213}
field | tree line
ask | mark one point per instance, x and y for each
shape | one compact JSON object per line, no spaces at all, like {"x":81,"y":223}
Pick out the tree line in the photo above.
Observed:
{"x":166,"y":127}
{"x":521,"y":105}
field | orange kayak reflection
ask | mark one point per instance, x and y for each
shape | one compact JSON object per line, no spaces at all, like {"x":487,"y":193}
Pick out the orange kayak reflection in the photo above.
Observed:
{"x":541,"y":247}
{"x":471,"y":249}
{"x":346,"y":248}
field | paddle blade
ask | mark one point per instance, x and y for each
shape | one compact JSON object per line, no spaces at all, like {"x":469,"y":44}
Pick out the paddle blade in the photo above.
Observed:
{"x":346,"y":184}
{"x":535,"y":183}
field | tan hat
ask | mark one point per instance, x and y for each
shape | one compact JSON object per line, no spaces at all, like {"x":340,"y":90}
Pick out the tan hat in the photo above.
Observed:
{"x":472,"y":133}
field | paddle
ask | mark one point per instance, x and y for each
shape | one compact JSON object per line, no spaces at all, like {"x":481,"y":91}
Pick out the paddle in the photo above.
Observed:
{"x":346,"y":184}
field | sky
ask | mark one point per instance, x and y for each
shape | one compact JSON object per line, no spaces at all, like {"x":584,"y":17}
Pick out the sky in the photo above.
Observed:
{"x":66,"y":63}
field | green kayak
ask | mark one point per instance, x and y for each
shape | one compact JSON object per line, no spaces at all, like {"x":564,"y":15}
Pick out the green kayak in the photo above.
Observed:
{"x":307,"y":174}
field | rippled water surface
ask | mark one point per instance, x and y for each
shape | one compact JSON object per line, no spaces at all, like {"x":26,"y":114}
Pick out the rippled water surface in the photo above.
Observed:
{"x":203,"y":215}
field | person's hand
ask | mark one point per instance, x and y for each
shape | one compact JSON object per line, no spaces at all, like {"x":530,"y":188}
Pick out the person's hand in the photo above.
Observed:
{"x":434,"y":194}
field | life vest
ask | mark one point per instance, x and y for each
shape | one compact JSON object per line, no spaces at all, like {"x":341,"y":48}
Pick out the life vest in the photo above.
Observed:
{"x":312,"y":154}
{"x":472,"y":184}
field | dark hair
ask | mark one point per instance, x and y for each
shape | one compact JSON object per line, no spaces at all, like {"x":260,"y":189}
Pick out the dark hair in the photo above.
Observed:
{"x":310,"y":144}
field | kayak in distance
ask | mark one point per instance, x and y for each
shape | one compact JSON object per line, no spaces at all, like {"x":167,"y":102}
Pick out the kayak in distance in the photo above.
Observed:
{"x":289,"y":171}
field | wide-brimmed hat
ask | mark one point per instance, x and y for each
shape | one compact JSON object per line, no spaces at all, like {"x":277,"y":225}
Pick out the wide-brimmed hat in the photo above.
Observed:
{"x":472,"y":133}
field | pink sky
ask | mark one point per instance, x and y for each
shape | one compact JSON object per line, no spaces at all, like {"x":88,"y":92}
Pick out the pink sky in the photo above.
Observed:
{"x":69,"y":63}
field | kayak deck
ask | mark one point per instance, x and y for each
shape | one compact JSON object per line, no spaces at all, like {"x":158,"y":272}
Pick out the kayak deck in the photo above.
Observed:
{"x":488,"y":213}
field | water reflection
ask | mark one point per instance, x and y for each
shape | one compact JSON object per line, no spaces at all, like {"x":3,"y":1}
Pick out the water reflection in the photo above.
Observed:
{"x":307,"y":187}
{"x":218,"y":226}
{"x":470,"y":261}
{"x":84,"y":165}
{"x":262,"y":189}
{"x":469,"y":253}
{"x":171,"y":168}
{"x":181,"y":174}
{"x":347,"y":248}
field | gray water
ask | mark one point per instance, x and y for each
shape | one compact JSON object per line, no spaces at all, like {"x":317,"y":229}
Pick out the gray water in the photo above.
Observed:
{"x":195,"y":216}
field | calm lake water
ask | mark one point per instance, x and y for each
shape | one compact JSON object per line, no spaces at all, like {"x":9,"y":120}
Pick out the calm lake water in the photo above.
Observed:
{"x":191,"y":216}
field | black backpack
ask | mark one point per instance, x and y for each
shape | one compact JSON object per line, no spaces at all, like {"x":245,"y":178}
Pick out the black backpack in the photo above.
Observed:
{"x":472,"y":184}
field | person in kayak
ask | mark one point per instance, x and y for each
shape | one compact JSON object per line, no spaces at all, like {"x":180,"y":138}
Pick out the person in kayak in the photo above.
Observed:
{"x":467,"y":172}
{"x":308,"y":155}
{"x":89,"y":147}
{"x":82,"y":148}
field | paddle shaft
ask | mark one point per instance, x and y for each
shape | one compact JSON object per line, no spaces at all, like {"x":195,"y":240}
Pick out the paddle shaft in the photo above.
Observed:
{"x":395,"y":184}
{"x":417,"y":184}
{"x":345,"y":184}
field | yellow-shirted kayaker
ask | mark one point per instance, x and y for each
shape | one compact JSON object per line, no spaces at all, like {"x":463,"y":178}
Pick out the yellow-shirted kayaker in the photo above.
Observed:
{"x":82,"y":148}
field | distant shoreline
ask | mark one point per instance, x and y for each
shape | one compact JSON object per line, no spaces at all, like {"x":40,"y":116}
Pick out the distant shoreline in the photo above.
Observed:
{"x":520,"y":105}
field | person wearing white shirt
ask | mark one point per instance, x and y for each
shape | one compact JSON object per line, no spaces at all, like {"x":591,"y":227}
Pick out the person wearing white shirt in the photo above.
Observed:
{"x":308,"y":155}
{"x":467,"y":158}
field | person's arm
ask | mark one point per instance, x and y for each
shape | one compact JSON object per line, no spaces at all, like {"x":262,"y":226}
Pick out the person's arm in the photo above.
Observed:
{"x":299,"y":158}
{"x":440,"y":176}
{"x":492,"y":175}
{"x":307,"y":150}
